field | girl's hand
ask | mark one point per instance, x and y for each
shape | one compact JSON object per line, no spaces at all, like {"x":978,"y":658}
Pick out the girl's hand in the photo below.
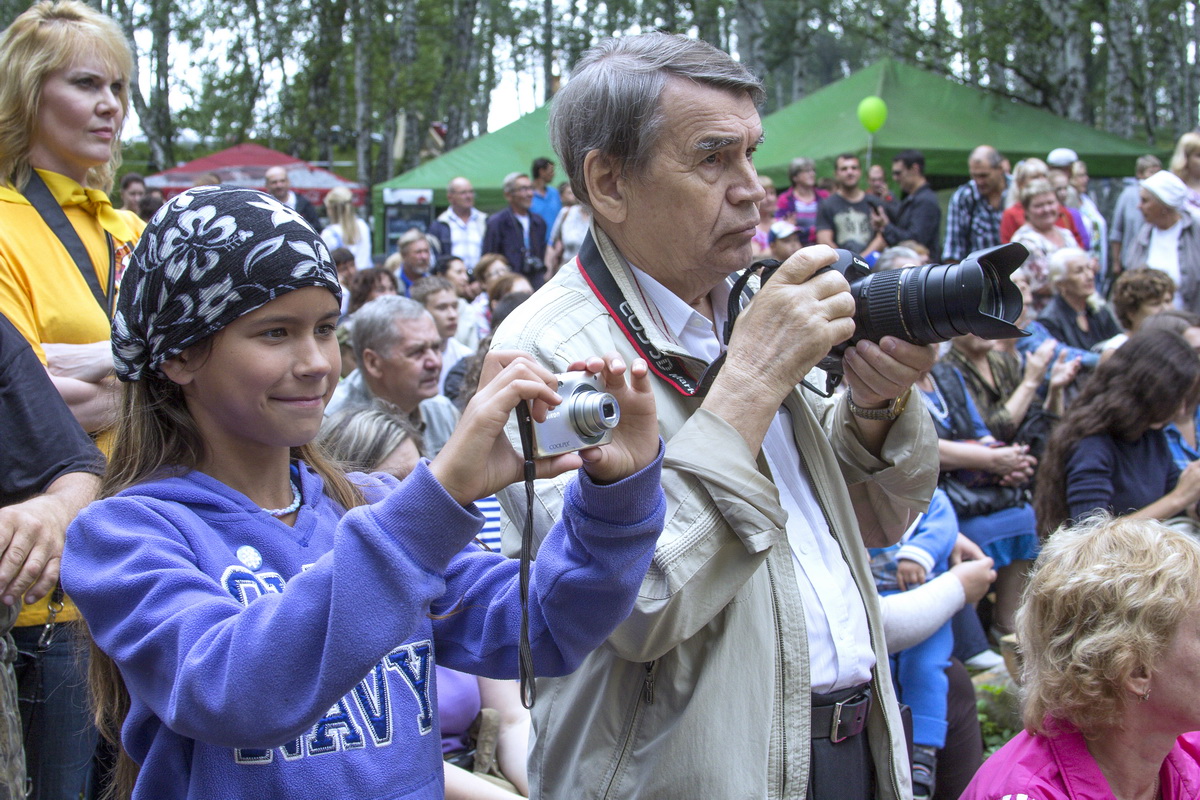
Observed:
{"x":478,"y":460}
{"x":634,"y":444}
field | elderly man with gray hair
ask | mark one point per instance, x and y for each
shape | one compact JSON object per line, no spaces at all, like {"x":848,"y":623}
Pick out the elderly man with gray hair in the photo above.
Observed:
{"x":518,"y":233}
{"x":399,"y":355}
{"x":753,"y":664}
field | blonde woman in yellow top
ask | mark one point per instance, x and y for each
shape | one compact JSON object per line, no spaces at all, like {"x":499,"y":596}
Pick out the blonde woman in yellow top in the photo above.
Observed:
{"x":64,"y":72}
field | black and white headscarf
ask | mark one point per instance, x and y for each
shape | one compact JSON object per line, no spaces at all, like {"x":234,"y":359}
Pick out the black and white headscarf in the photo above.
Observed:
{"x":209,"y":256}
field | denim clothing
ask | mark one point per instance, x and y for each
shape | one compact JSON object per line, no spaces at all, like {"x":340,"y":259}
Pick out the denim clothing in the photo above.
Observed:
{"x":60,"y":738}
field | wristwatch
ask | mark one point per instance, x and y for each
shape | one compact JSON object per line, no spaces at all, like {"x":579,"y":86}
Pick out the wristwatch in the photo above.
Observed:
{"x":885,"y":414}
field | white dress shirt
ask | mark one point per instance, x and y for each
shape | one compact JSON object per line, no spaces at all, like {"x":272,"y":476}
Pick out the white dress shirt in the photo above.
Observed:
{"x":839,"y":642}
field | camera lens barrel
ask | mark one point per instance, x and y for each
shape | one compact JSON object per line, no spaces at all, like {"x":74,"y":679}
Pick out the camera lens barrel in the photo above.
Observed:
{"x":592,"y":413}
{"x":934,"y":303}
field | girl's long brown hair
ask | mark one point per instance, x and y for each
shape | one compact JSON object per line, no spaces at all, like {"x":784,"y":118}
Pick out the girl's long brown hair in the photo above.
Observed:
{"x":157,"y":436}
{"x":1142,"y":384}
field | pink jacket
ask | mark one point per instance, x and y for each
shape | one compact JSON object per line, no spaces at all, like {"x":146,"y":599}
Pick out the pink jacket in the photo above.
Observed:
{"x":1061,"y":768}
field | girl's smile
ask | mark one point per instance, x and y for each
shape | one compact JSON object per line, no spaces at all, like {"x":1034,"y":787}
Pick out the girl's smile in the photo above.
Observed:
{"x":264,"y":381}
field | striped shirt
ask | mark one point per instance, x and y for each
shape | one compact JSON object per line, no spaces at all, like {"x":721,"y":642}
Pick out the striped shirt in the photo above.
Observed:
{"x":490,"y":535}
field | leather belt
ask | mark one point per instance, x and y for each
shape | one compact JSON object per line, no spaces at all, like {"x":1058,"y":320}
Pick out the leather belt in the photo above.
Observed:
{"x":841,"y":720}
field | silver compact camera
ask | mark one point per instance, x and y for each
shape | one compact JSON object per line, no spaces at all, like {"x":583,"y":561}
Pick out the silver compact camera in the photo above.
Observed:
{"x":585,"y":417}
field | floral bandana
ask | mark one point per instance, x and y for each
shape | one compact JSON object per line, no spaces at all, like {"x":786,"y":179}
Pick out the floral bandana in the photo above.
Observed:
{"x":206,"y":258}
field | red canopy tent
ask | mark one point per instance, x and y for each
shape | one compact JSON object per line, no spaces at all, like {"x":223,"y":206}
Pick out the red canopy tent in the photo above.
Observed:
{"x":247,"y":165}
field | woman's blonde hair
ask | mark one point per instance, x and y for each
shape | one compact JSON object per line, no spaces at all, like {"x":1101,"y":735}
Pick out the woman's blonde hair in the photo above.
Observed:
{"x":1105,"y":599}
{"x":157,"y":436}
{"x":50,"y":36}
{"x":339,"y":206}
{"x":1025,"y":171}
{"x":360,"y":439}
{"x":1187,"y":144}
{"x":1034,"y":188}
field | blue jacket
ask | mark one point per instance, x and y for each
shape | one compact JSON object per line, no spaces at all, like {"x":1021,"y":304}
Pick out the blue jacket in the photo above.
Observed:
{"x":267,"y":661}
{"x":506,"y":236}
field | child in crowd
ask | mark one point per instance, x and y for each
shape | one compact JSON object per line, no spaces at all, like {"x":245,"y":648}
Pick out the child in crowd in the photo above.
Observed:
{"x":922,"y":554}
{"x":267,"y":626}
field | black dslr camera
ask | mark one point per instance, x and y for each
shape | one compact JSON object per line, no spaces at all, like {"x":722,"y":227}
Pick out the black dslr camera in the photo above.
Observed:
{"x":929,"y":304}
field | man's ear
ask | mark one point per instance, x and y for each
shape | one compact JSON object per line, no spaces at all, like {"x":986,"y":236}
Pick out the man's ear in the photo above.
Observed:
{"x":371,"y":363}
{"x":606,"y":186}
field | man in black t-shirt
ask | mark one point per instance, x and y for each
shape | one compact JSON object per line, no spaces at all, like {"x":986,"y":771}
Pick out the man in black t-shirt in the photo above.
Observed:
{"x":844,"y":218}
{"x":48,"y":469}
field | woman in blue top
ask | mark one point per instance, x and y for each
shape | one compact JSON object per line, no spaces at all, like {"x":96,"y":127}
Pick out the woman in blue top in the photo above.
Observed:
{"x":268,"y":627}
{"x":1109,"y":451}
{"x":1003,"y":524}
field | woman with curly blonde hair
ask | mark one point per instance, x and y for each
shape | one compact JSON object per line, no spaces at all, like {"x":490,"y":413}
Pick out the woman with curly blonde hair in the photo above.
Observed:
{"x":1110,"y":636}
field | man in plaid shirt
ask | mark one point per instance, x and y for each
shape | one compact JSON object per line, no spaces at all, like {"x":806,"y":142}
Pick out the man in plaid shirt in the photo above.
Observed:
{"x":973,"y":216}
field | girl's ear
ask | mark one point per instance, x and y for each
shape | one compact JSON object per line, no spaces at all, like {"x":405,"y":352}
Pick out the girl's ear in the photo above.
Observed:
{"x":177,"y":370}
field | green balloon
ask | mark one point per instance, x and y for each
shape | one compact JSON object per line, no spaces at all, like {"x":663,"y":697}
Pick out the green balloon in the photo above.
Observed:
{"x":872,"y":113}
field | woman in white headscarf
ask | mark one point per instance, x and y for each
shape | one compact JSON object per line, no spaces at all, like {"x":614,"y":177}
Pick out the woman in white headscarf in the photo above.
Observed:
{"x":1170,"y":238}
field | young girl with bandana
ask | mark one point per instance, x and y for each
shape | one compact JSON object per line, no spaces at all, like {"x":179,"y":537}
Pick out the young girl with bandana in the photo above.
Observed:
{"x":266,"y":626}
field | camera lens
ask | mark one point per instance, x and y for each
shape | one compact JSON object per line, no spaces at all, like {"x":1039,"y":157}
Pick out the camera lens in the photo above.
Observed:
{"x":592,"y":413}
{"x":931,"y":304}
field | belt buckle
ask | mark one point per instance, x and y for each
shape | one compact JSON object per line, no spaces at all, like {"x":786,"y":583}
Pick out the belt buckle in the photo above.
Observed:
{"x":834,"y":737}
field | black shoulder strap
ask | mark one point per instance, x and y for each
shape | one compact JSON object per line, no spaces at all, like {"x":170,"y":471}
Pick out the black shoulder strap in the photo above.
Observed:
{"x":39,"y":196}
{"x":679,"y":372}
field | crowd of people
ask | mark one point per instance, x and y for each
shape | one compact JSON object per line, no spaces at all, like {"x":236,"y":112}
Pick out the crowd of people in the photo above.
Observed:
{"x":261,"y":494}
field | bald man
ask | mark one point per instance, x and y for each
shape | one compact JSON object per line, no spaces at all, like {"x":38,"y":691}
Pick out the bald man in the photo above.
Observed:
{"x":460,"y":228}
{"x":973,"y":216}
{"x":279,"y":186}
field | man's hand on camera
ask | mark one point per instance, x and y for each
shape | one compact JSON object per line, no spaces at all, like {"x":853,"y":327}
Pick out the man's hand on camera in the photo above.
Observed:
{"x":879,"y":373}
{"x":791,"y":324}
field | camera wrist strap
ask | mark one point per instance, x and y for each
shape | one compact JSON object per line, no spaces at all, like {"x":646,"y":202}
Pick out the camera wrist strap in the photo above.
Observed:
{"x":525,"y":651}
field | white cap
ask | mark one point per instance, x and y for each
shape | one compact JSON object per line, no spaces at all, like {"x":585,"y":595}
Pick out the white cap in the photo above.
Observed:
{"x":1061,"y":157}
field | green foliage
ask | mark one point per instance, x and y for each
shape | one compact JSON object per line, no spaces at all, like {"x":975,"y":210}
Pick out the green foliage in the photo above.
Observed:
{"x":995,"y":732}
{"x":309,"y":76}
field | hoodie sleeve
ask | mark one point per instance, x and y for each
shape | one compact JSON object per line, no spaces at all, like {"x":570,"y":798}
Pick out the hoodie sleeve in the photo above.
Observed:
{"x":583,"y":584}
{"x":205,"y":664}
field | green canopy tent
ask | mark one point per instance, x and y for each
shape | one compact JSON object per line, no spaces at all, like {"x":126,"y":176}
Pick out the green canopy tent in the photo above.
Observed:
{"x":485,"y":161}
{"x":936,"y":115}
{"x":942,"y":118}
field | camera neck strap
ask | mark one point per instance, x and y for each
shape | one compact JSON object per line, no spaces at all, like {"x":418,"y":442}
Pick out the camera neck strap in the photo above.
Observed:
{"x":678,"y":371}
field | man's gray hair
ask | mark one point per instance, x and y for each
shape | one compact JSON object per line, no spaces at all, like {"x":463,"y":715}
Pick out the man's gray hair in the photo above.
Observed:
{"x":510,"y":181}
{"x":612,"y":101}
{"x":411,"y":236}
{"x":374,"y":325}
